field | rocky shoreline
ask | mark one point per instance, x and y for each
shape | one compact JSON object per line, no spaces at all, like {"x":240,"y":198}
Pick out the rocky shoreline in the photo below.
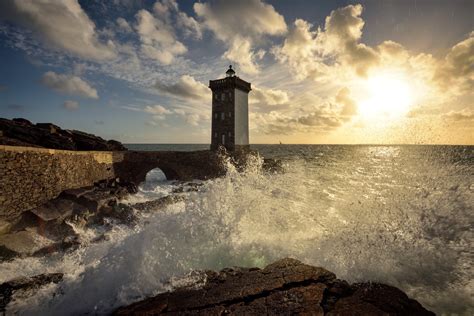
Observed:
{"x":21,"y":132}
{"x":52,"y":226}
{"x":285,"y":287}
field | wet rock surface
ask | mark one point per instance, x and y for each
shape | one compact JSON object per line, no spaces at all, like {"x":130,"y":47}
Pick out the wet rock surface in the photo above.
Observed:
{"x":158,"y":203}
{"x":50,"y":227}
{"x":8,"y":289}
{"x":286,"y":287}
{"x":21,"y":132}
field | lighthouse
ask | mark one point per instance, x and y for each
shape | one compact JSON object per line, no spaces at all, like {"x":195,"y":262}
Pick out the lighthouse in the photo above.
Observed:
{"x":230,"y":112}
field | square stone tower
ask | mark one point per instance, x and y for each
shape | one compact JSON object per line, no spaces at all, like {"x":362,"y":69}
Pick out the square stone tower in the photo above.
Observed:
{"x":230,"y":112}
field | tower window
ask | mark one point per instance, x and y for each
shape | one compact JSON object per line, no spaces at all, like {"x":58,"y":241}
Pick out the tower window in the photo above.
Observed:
{"x":215,"y":135}
{"x":223,"y":139}
{"x":222,"y":116}
{"x":230,"y":114}
{"x":223,"y":96}
{"x":230,"y":135}
{"x":215,"y":115}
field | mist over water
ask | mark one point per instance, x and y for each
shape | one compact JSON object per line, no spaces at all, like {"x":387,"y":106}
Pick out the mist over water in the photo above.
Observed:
{"x":401,"y":215}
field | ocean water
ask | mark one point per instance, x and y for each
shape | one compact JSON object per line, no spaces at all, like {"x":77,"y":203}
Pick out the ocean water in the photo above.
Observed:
{"x":401,"y":215}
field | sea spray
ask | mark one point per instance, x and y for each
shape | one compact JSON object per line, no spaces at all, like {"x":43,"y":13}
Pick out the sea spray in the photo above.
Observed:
{"x":398,"y":215}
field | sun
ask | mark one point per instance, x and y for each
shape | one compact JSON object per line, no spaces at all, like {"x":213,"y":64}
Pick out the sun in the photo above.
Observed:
{"x":387,"y":95}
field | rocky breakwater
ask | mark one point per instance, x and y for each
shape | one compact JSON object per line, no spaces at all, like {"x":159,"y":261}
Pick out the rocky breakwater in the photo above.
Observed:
{"x":21,"y":132}
{"x":286,"y":287}
{"x":53,"y":226}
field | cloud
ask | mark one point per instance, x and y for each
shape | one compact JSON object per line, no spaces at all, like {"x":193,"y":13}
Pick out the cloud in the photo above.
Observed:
{"x":71,"y":105}
{"x":262,"y":99}
{"x":465,"y":115}
{"x":316,"y":53}
{"x":189,"y":25}
{"x":68,"y":84}
{"x":343,"y":30}
{"x":305,"y":114}
{"x":156,"y":110}
{"x":348,"y":106}
{"x":62,"y":24}
{"x":185,"y":88}
{"x":300,"y":51}
{"x":239,"y":24}
{"x":158,"y":40}
{"x":456,"y":71}
{"x":123,"y":25}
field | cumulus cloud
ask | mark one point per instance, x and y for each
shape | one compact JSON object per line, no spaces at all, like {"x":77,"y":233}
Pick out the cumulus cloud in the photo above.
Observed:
{"x":240,"y":52}
{"x":262,"y":99}
{"x":158,"y":40}
{"x":123,"y":25}
{"x":314,"y":53}
{"x":68,"y":84}
{"x":300,"y":51}
{"x":241,"y":23}
{"x":62,"y":24}
{"x":71,"y":105}
{"x":456,"y":71}
{"x":185,"y":88}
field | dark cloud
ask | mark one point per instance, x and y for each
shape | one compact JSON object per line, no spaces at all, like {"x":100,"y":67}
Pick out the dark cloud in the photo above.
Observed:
{"x":185,"y":88}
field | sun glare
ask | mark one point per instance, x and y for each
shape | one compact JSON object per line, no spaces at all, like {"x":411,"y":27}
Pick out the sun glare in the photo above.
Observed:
{"x":388,"y":95}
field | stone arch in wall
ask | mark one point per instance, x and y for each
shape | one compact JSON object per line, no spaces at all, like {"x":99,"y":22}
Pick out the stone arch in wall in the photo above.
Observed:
{"x":134,"y":166}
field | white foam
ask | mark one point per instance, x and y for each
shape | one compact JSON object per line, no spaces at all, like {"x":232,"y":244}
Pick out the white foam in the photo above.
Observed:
{"x":362,"y":219}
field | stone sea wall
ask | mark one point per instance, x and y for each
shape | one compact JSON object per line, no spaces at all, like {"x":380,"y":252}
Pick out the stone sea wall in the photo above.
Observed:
{"x":31,"y":176}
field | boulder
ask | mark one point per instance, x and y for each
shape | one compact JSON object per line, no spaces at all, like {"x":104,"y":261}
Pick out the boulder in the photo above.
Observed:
{"x":286,"y":287}
{"x":122,"y":212}
{"x":74,"y":194}
{"x":22,"y":121}
{"x":116,"y":145}
{"x":376,"y":299}
{"x":96,"y":200}
{"x":158,"y":203}
{"x":4,"y":227}
{"x":56,"y":209}
{"x":24,"y":284}
{"x":22,"y":243}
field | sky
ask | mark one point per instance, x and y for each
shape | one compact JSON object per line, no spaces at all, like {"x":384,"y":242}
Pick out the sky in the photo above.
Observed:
{"x":322,"y":72}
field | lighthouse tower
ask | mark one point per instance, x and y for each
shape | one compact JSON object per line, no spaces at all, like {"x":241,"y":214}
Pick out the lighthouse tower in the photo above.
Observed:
{"x":230,"y":112}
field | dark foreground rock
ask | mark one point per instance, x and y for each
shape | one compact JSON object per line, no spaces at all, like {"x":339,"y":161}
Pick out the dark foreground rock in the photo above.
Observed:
{"x":8,"y":289}
{"x":21,"y":132}
{"x":49,"y":227}
{"x":286,"y":287}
